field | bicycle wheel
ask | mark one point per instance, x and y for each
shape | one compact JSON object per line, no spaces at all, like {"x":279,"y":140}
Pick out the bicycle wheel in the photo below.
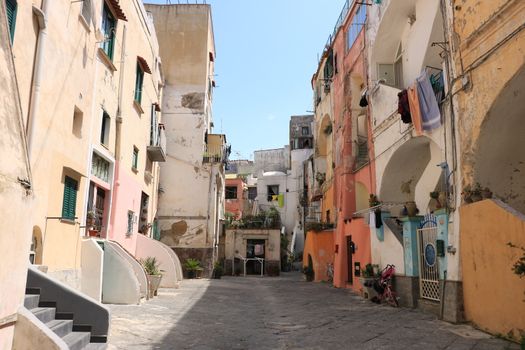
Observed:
{"x":391,"y":298}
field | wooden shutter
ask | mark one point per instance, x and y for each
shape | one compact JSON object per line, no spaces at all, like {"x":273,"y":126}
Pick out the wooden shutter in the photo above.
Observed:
{"x":69,"y":202}
{"x":11,"y":7}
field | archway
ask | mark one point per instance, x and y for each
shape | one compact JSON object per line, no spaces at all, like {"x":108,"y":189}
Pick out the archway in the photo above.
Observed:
{"x":499,"y":160}
{"x":413,"y":167}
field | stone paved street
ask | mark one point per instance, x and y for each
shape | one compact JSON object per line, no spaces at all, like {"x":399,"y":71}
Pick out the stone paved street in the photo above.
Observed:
{"x":281,"y":313}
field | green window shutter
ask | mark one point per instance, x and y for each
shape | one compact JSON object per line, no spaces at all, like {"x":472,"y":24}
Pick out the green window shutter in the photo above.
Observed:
{"x":11,"y":9}
{"x":138,"y":84}
{"x":69,"y":202}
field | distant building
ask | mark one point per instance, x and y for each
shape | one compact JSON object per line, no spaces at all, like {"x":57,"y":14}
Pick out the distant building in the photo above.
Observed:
{"x":191,"y":205}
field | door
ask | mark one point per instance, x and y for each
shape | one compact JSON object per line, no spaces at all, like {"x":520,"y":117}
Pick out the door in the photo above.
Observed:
{"x":349,"y":252}
{"x":428,"y":263}
{"x":255,"y":248}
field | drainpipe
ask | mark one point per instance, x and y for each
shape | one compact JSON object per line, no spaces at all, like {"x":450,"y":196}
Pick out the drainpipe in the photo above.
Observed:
{"x":37,"y":73}
{"x":118,"y":126}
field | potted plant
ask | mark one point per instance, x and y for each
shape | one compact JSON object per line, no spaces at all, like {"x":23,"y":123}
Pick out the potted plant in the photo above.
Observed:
{"x":410,"y":205}
{"x":192,"y":266}
{"x":309,"y":273}
{"x":486,"y":193}
{"x":153,"y":273}
{"x":218,"y":271}
{"x":476,"y":193}
{"x":467,"y":194}
{"x":367,"y":281}
{"x":320,"y":177}
{"x":434,"y":201}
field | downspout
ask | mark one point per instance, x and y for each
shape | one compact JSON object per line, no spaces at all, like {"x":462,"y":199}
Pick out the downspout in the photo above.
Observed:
{"x":118,"y":126}
{"x":34,"y":97}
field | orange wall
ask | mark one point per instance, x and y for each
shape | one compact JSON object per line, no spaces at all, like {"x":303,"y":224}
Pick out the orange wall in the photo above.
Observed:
{"x":360,"y":232}
{"x":235,"y":206}
{"x":320,"y":245}
{"x":328,"y":204}
{"x":493,"y":294}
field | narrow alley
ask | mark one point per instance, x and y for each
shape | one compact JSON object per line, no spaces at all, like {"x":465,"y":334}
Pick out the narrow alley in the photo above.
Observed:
{"x":281,"y":313}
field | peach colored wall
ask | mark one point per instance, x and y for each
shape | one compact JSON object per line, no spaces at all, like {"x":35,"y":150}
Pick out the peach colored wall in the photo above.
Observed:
{"x":320,"y":245}
{"x":360,"y":233}
{"x":328,"y":204}
{"x":493,"y":294}
{"x":235,"y":206}
{"x":126,"y":196}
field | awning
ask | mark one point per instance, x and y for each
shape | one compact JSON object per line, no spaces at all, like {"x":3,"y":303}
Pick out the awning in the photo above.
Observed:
{"x":144,"y":64}
{"x":116,"y":9}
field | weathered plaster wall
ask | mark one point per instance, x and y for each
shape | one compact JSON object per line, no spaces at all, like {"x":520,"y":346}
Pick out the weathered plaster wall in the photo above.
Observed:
{"x":16,"y":202}
{"x":271,"y":160}
{"x":496,"y":303}
{"x":320,"y":247}
{"x":235,"y":243}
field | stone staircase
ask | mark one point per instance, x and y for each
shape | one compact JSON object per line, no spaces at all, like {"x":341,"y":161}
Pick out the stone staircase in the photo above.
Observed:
{"x":362,"y":155}
{"x":76,"y":336}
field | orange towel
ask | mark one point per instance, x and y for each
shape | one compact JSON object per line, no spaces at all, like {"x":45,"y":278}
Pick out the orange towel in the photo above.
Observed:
{"x":413,"y":102}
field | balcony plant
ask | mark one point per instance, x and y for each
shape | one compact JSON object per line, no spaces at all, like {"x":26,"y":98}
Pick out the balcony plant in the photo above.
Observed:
{"x":192,"y":267}
{"x":153,"y":273}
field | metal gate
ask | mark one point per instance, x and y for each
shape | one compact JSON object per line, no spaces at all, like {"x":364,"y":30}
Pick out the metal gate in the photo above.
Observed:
{"x":428,"y":263}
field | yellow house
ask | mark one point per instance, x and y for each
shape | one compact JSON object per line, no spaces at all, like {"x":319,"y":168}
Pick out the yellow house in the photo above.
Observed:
{"x":90,"y":83}
{"x":489,"y":87}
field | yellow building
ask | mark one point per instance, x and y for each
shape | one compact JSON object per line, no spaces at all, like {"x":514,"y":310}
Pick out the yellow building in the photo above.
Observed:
{"x":90,"y":82}
{"x":488,"y":83}
{"x":16,"y":197}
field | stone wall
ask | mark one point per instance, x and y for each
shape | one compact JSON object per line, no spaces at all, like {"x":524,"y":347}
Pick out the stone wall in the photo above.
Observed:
{"x":204,"y":255}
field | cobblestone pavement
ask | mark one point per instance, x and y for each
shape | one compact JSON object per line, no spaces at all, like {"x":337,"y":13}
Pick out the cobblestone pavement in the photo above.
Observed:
{"x":281,"y":313}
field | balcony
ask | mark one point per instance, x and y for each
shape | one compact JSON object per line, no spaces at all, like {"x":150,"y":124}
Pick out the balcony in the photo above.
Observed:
{"x":215,"y":149}
{"x":157,"y":145}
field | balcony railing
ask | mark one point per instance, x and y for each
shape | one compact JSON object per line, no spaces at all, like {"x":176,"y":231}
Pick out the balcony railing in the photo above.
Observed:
{"x":157,"y":145}
{"x":216,"y":150}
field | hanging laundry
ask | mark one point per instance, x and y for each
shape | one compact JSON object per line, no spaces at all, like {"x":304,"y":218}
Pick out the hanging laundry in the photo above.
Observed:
{"x":413,"y":102}
{"x":258,"y":249}
{"x":430,"y":115}
{"x":403,"y":107}
{"x":280,"y":200}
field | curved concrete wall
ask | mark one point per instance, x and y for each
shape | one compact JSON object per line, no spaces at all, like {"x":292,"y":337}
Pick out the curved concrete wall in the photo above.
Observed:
{"x":92,"y":264}
{"x":169,"y":264}
{"x":138,"y":270}
{"x":120,"y":284}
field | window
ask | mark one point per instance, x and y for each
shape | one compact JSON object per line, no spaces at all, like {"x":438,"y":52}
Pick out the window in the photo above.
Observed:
{"x":69,"y":203}
{"x":358,"y":22}
{"x":131,"y":216}
{"x":78,"y":117}
{"x":329,"y":68}
{"x":108,"y":29}
{"x":273,"y":192}
{"x":11,"y":7}
{"x":135,"y":159}
{"x":231,"y":192}
{"x":138,"y":83}
{"x":104,"y":130}
{"x":252,"y":192}
{"x":305,"y":131}
{"x":100,"y":167}
{"x":86,"y":11}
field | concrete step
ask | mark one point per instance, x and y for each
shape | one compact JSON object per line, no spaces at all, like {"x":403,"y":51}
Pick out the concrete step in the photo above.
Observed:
{"x":31,"y":301}
{"x":44,"y":314}
{"x":96,"y":346}
{"x":61,"y":327}
{"x":77,"y":340}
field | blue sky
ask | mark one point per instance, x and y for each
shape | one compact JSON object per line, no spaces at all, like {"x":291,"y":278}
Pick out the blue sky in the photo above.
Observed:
{"x":266,"y":54}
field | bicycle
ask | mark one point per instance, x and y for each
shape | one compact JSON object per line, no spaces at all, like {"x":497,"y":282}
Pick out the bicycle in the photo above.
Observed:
{"x":383,"y":286}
